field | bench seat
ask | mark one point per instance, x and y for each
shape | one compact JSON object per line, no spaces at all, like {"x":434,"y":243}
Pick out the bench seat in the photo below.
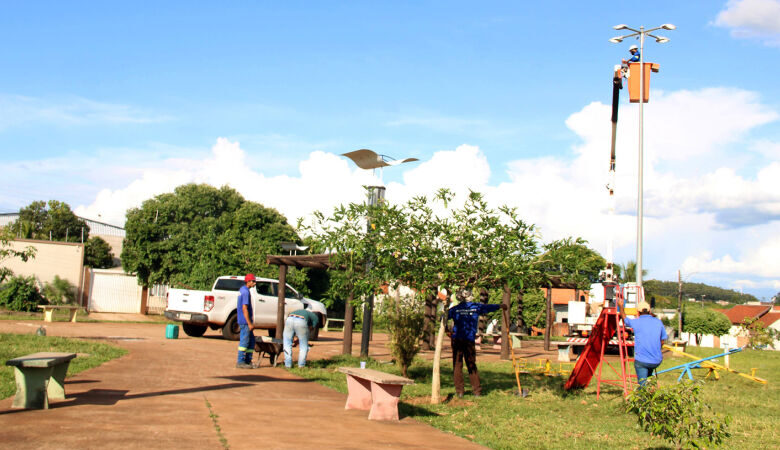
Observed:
{"x":375,"y":391}
{"x":39,"y":378}
{"x":48,"y":311}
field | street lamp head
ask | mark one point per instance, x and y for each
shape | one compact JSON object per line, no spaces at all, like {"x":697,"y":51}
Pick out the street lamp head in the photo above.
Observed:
{"x":668,"y":26}
{"x":622,"y":26}
{"x":662,"y":40}
{"x":616,"y":40}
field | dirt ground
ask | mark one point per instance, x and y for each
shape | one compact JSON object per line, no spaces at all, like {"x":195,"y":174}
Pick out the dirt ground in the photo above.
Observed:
{"x":170,"y":393}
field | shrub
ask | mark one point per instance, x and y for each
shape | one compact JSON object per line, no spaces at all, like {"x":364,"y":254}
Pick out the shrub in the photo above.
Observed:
{"x":404,"y":317}
{"x":21,"y":294}
{"x":59,"y":291}
{"x":676,"y":414}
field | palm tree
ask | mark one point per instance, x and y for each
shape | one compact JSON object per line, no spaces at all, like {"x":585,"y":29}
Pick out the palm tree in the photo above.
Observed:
{"x":627,"y":272}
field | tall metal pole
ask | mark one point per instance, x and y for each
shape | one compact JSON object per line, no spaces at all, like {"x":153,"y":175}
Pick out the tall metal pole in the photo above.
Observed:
{"x":640,"y":194}
{"x":376,"y":194}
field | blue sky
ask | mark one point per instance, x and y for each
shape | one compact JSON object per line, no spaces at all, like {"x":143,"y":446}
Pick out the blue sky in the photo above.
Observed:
{"x":102,"y":106}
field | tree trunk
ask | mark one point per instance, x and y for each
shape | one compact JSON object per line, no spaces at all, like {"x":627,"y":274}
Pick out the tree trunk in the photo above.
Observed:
{"x":520,"y":321}
{"x":506,"y":300}
{"x":548,"y":326}
{"x":349,"y":312}
{"x":429,"y":321}
{"x":436,"y":376}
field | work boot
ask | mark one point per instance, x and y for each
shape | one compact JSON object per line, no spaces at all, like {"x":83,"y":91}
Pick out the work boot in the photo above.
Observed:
{"x":244,"y":366}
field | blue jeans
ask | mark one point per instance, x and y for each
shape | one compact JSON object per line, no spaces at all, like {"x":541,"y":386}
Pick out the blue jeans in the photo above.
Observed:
{"x":643,"y":370}
{"x":295,"y":326}
{"x":246,"y":344}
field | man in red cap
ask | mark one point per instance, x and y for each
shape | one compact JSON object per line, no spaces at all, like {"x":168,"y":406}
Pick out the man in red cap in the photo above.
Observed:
{"x":245,"y":316}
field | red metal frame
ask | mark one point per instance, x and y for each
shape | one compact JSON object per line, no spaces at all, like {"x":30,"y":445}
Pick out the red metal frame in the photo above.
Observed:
{"x":592,"y":358}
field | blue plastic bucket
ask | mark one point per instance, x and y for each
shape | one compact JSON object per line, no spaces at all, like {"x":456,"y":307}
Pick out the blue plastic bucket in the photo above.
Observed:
{"x":171,"y":331}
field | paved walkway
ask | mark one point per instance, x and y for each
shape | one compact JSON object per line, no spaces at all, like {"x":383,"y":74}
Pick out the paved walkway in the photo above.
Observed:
{"x":164,"y":394}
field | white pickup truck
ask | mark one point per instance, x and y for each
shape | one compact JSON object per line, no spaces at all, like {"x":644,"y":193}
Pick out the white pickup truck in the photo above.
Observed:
{"x":199,"y":310}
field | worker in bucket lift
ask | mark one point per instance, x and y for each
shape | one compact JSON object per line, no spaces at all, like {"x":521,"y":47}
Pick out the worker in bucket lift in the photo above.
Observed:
{"x":649,"y":337}
{"x":635,"y":57}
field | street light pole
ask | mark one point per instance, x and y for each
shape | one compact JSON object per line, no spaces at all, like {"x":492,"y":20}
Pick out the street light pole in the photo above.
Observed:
{"x":370,"y":160}
{"x":640,"y":34}
{"x":640,"y":182}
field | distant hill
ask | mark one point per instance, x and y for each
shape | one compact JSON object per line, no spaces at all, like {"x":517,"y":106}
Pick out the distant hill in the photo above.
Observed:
{"x":695,"y":290}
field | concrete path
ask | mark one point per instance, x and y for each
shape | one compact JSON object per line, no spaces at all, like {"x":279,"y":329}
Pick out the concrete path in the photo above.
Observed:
{"x":170,"y":393}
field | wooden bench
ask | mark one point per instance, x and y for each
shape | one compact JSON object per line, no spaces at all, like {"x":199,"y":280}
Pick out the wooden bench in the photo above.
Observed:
{"x":48,"y":310}
{"x":39,"y":378}
{"x":328,"y":321}
{"x":375,"y":391}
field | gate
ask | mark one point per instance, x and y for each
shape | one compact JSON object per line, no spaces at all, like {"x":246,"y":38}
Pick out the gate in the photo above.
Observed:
{"x":114,"y":292}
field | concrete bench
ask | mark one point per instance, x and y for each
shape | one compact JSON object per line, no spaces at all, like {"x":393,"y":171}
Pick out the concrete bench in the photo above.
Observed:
{"x":48,"y":310}
{"x":375,"y":391}
{"x":564,"y":349}
{"x":328,"y":321}
{"x":39,"y":378}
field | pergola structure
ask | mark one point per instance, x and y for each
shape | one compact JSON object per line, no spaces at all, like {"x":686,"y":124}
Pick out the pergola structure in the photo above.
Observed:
{"x":319,"y":261}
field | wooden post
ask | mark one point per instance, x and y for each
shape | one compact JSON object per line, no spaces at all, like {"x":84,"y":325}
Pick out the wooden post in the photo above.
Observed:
{"x":280,"y":305}
{"x":679,"y":305}
{"x":506,"y":300}
{"x":349,"y":312}
{"x":520,"y":320}
{"x":548,"y":328}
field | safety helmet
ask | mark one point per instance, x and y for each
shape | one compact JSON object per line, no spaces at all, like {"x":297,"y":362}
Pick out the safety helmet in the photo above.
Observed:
{"x":633,"y":47}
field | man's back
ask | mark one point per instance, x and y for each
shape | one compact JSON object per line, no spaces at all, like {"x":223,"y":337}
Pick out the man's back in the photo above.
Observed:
{"x":648,"y":333}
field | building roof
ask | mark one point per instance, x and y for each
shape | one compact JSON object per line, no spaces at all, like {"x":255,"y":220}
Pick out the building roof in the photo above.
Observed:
{"x":769,"y":318}
{"x":740,"y":312}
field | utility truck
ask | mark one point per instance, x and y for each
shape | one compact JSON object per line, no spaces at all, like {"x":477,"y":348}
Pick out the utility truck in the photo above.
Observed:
{"x":583,"y":315}
{"x":216,"y":309}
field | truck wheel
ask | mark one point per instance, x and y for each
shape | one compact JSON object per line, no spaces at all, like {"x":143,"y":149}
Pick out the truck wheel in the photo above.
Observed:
{"x":230,"y":330}
{"x":191,"y":329}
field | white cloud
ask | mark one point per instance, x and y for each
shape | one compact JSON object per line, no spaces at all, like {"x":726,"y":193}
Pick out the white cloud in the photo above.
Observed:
{"x":758,"y":260}
{"x":754,"y":19}
{"x":18,"y":110}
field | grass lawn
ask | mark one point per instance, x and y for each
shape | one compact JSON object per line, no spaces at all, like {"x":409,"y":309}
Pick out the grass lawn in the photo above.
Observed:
{"x":553,"y":418}
{"x":91,"y":354}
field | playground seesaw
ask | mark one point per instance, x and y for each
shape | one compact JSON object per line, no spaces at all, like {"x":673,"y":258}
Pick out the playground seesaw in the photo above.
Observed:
{"x":707,"y":363}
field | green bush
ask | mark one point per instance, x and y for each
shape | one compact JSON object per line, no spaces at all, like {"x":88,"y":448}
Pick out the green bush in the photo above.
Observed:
{"x":700,"y":321}
{"x":21,"y":293}
{"x":59,"y":291}
{"x":404,"y":318}
{"x":676,"y":413}
{"x":534,"y":304}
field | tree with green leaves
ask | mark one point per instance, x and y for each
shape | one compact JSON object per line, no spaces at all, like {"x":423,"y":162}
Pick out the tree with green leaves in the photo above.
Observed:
{"x":198,"y":232}
{"x":700,"y":321}
{"x":7,"y":251}
{"x":53,"y":220}
{"x":627,"y":272}
{"x":573,"y":261}
{"x":97,"y":253}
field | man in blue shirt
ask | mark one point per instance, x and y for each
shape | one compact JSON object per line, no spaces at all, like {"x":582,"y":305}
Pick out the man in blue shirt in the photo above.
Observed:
{"x":649,"y":337}
{"x":245,"y":317}
{"x":465,"y":317}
